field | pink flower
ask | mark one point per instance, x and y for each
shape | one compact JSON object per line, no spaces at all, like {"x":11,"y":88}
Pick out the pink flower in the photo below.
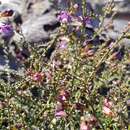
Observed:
{"x":64,"y":17}
{"x":85,"y":126}
{"x":38,"y":76}
{"x":93,"y":120}
{"x":107,"y":111}
{"x":79,"y":106}
{"x":48,"y":75}
{"x":60,"y":114}
{"x":85,"y":20}
{"x":29,"y":72}
{"x":20,"y":56}
{"x":63,"y":45}
{"x":107,"y":103}
{"x":76,"y":6}
{"x":88,"y":123}
{"x":107,"y":108}
{"x":63,"y":96}
{"x":56,"y":64}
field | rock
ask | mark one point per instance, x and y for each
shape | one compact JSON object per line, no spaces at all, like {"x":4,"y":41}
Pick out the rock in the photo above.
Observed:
{"x":35,"y":28}
{"x":120,"y":24}
{"x":121,"y":19}
{"x":17,"y":5}
{"x":39,"y":21}
{"x":36,"y":16}
{"x":40,"y":8}
{"x":121,"y":6}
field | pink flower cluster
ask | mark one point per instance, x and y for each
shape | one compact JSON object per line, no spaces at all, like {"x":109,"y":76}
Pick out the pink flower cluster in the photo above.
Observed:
{"x":35,"y":76}
{"x":89,"y":123}
{"x":62,"y":98}
{"x":107,"y":106}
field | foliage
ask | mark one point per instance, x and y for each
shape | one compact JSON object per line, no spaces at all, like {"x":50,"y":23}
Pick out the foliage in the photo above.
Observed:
{"x":79,"y":81}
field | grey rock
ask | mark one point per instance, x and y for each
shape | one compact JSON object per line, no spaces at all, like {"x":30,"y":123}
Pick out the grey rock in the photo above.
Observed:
{"x":40,"y":8}
{"x":119,"y":26}
{"x":34,"y":28}
{"x":38,"y":22}
{"x":17,"y":5}
{"x":35,"y":14}
{"x":40,"y":14}
{"x":121,"y":6}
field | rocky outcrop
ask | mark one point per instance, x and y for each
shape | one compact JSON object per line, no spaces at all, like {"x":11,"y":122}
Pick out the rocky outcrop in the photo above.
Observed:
{"x":34,"y":16}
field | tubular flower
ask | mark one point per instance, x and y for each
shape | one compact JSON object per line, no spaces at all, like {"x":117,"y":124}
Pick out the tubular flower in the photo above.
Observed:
{"x":107,"y":108}
{"x":64,"y":17}
{"x":37,"y":76}
{"x":60,"y":112}
{"x":63,"y":96}
{"x":85,"y":126}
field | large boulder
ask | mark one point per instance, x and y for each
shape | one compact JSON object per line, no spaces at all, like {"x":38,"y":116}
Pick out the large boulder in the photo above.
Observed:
{"x":39,"y":21}
{"x":34,"y":16}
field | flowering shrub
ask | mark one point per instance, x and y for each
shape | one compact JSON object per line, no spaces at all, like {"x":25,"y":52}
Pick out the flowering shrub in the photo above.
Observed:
{"x":82,"y":85}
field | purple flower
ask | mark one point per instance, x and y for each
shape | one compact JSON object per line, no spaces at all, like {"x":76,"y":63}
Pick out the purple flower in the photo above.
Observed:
{"x":63,"y":96}
{"x":56,"y":64}
{"x":111,"y":45}
{"x":64,"y":17}
{"x":79,"y":106}
{"x":6,"y":31}
{"x":60,"y":114}
{"x":76,"y":6}
{"x":85,"y":20}
{"x":63,"y":45}
{"x":118,"y":53}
